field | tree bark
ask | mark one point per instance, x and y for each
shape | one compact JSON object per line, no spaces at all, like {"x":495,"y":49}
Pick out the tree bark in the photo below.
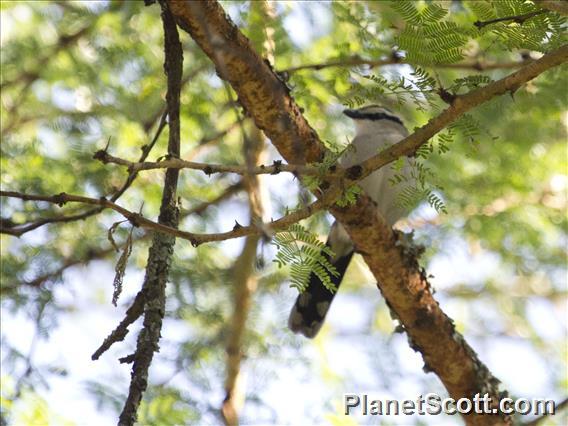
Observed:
{"x":401,"y":281}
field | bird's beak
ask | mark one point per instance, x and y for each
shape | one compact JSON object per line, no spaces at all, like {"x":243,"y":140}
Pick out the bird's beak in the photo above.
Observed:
{"x":351,"y":113}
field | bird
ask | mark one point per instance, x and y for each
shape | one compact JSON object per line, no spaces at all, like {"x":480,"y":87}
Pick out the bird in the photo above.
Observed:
{"x":376,"y":128}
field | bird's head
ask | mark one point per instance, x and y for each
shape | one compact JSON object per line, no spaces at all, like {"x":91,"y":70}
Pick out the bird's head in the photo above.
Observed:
{"x":373,"y":118}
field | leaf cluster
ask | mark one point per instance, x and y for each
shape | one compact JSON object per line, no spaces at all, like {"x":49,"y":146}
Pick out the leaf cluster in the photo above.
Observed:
{"x":304,"y":254}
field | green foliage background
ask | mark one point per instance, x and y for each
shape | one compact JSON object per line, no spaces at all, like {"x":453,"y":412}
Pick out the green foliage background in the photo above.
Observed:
{"x":75,"y":75}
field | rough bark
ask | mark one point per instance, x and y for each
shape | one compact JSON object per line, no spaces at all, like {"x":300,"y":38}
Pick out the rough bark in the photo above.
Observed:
{"x":402,"y":282}
{"x":153,"y":290}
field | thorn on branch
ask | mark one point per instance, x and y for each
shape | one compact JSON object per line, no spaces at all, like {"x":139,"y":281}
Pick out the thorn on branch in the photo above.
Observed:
{"x":277,"y":166}
{"x":354,"y":172}
{"x":446,"y":96}
{"x":102,"y":156}
{"x":60,"y":199}
{"x":237,"y":226}
{"x":128,"y":359}
{"x":208,"y":170}
{"x":134,"y":219}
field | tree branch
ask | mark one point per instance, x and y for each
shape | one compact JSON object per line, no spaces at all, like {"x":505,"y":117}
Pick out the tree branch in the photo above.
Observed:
{"x":209,"y":169}
{"x":244,"y":273}
{"x":559,"y":407}
{"x":519,"y":19}
{"x":28,"y":78}
{"x":19,"y":230}
{"x":402,"y":281}
{"x":244,"y":286}
{"x":406,"y":147}
{"x":460,"y":105}
{"x":153,"y":290}
{"x":196,"y":239}
{"x":354,"y":61}
{"x":95,"y":254}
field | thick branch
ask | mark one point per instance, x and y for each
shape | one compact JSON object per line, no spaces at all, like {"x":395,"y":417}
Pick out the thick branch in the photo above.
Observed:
{"x":402,"y":282}
{"x":244,"y":285}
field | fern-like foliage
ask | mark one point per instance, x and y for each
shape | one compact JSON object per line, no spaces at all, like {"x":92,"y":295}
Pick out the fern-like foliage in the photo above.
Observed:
{"x":420,"y":90}
{"x":312,"y":182}
{"x":541,"y":32}
{"x":420,"y":188}
{"x":427,"y":39}
{"x":304,"y":253}
{"x":349,"y":196}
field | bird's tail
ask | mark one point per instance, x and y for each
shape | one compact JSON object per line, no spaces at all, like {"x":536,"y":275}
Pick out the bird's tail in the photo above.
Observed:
{"x":310,"y":309}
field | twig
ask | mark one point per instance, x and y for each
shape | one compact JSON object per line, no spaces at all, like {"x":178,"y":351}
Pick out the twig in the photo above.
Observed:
{"x":145,"y":152}
{"x":373,"y":63}
{"x":559,"y":407}
{"x":196,"y":239}
{"x":29,"y":369}
{"x":120,"y":332}
{"x":405,"y":147}
{"x":209,"y":169}
{"x":159,"y":258}
{"x":18,"y":230}
{"x":460,"y":105}
{"x":519,"y":19}
{"x":99,"y":254}
{"x":28,"y":78}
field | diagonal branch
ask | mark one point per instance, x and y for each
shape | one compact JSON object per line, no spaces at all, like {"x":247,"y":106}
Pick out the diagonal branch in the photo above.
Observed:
{"x":402,"y":281}
{"x":519,"y":19}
